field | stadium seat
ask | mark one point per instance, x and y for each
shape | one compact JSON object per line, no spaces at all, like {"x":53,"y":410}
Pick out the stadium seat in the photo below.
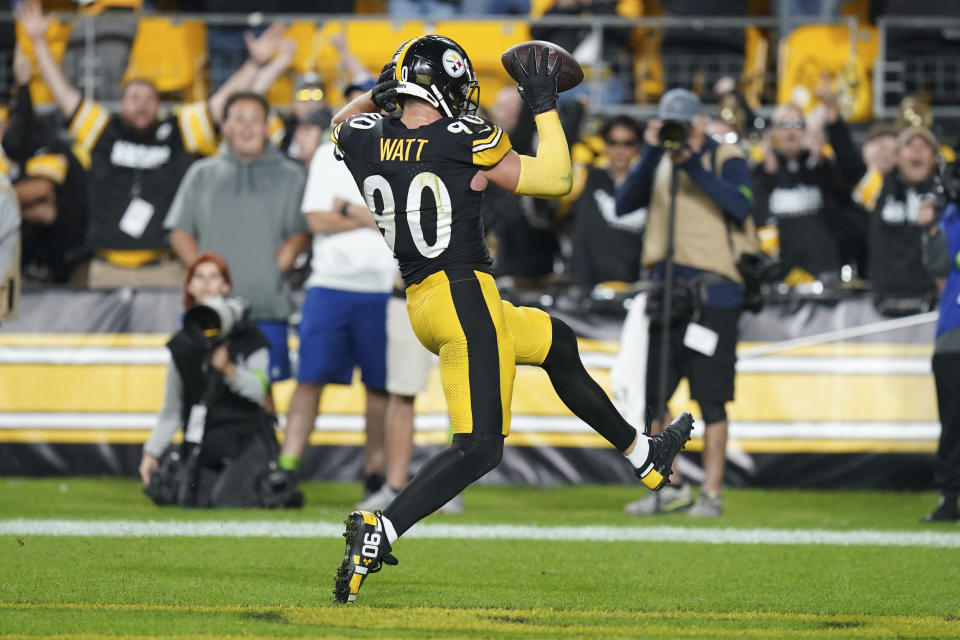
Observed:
{"x":485,"y":41}
{"x":58,"y":33}
{"x":172,"y":56}
{"x":812,"y":50}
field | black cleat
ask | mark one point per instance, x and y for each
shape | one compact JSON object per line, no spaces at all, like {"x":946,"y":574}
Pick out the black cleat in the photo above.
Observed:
{"x":946,"y":511}
{"x":664,"y":447}
{"x":367,"y":550}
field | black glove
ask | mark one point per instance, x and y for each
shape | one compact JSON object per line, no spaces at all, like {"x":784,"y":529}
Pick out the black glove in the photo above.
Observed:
{"x":384,"y":93}
{"x":537,"y":87}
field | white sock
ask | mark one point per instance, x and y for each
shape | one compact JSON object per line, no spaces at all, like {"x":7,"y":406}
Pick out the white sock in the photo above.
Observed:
{"x":389,"y":530}
{"x":641,"y":451}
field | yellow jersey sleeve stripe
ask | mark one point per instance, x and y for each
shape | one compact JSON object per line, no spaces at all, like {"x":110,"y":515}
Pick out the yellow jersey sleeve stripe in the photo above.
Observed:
{"x":335,"y":134}
{"x":490,"y":153}
{"x":488,"y":139}
{"x":196,"y":128}
{"x":88,"y":123}
{"x":490,"y":142}
{"x":52,"y":166}
{"x":277,"y":130}
{"x":82,"y":155}
{"x":868,"y":189}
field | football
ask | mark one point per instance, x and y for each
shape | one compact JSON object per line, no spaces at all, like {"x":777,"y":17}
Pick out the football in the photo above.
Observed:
{"x":570,"y":73}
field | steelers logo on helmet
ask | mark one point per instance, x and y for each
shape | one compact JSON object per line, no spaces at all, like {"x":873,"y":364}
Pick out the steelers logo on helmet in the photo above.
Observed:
{"x":453,"y":63}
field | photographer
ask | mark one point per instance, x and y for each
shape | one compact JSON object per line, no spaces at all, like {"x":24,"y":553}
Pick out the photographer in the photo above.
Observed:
{"x":713,"y":229}
{"x":941,"y":255}
{"x":216,"y":384}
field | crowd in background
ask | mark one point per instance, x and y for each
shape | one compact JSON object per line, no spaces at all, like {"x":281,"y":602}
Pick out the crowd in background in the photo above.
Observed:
{"x":836,"y":205}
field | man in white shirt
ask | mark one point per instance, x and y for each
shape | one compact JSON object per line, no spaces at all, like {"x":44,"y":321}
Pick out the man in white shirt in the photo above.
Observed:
{"x":345,"y":311}
{"x":9,"y":242}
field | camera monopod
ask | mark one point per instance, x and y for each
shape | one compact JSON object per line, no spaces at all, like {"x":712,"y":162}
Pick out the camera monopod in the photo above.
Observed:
{"x":667,"y":298}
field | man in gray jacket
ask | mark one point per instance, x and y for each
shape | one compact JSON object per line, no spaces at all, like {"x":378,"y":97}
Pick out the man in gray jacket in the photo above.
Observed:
{"x":244,"y":203}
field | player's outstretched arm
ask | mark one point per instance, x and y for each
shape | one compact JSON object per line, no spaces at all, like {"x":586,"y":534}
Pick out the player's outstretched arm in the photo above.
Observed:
{"x":549,"y":174}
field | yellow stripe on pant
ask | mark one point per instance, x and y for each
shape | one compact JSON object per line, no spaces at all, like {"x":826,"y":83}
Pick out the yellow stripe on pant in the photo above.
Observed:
{"x":458,"y":315}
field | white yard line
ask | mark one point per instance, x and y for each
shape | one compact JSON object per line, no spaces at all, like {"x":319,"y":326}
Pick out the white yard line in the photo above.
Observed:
{"x":288,"y":529}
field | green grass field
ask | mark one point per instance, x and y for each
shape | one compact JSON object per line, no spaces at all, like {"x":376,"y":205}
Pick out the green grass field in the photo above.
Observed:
{"x":85,"y":586}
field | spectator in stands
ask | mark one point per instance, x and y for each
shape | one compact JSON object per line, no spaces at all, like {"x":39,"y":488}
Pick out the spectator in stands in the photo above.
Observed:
{"x":941,"y":255}
{"x":310,"y":114}
{"x":606,"y":247}
{"x":344,"y":316}
{"x":308,"y":136}
{"x":713,"y":230}
{"x":901,"y":284}
{"x":309,"y":110}
{"x":51,"y":186}
{"x":797,"y":189}
{"x":361,"y":79}
{"x":215,"y":392}
{"x":136,"y":160}
{"x":244,"y":204}
{"x":9,"y":239}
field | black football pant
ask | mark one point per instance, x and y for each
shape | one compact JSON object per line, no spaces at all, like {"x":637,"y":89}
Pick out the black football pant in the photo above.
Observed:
{"x":946,"y":374}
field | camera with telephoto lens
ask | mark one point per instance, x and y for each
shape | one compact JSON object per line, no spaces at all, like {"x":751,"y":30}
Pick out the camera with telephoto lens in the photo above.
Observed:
{"x":947,"y":184}
{"x":213,"y":320}
{"x":677,"y":110}
{"x":673,"y":135}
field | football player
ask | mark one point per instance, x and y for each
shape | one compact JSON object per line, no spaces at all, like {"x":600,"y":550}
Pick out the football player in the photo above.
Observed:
{"x":422,"y":171}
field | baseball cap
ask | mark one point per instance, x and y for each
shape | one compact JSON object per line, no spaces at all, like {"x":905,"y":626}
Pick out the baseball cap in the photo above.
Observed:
{"x":910,"y":133}
{"x":359,"y":86}
{"x":679,"y":104}
{"x":308,"y":87}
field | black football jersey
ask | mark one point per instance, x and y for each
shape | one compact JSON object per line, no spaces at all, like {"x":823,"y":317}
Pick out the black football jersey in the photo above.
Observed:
{"x":417,"y":184}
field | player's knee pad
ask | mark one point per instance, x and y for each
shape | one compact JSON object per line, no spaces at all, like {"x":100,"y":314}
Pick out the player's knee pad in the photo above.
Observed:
{"x":713,"y":412}
{"x":479,"y":452}
{"x":563,"y":346}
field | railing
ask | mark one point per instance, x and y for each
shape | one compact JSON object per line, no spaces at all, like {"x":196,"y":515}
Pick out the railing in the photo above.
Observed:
{"x":917,"y":56}
{"x":671,"y":52}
